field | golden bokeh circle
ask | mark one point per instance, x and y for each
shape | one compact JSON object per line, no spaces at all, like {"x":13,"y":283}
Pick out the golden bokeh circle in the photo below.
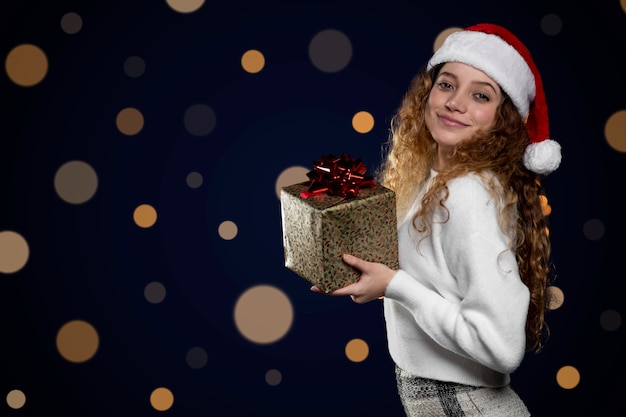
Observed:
{"x":145,"y":215}
{"x":14,"y":252}
{"x":252,"y":61}
{"x":363,"y":122}
{"x":26,"y":65}
{"x":129,"y":121}
{"x":568,"y":377}
{"x":357,"y":350}
{"x":556,"y":297}
{"x":77,"y":341}
{"x":16,"y":399}
{"x":615,"y":131}
{"x":228,"y":230}
{"x":161,"y":399}
{"x":263,"y":314}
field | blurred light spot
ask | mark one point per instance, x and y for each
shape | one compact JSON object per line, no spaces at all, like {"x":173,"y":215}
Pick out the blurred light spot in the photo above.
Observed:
{"x":615,"y":131}
{"x":227,"y":230}
{"x":292,"y":175}
{"x":16,"y":399}
{"x":363,"y":122}
{"x":77,"y":341}
{"x":197,"y":358}
{"x":610,"y":320}
{"x":129,"y":121}
{"x":199,"y":120}
{"x":134,"y":66}
{"x":555,"y":297}
{"x":568,"y":377}
{"x":357,"y":350}
{"x":75,"y":182}
{"x":14,"y":252}
{"x":26,"y":65}
{"x":185,"y":6}
{"x":71,"y":23}
{"x":263,"y":314}
{"x":161,"y":399}
{"x":622,"y":3}
{"x":145,"y":215}
{"x":330,"y":50}
{"x":546,"y":208}
{"x":194,"y":180}
{"x":154,"y":292}
{"x":252,"y":61}
{"x":273,"y":377}
{"x":593,"y":229}
{"x":443,"y":35}
{"x":551,"y":24}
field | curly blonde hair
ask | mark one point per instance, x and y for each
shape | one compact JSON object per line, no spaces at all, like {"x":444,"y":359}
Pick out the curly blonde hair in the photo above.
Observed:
{"x":496,"y":156}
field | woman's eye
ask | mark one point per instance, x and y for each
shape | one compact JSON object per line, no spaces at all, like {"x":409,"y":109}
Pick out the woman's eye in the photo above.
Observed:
{"x":445,"y":85}
{"x":482,"y":97}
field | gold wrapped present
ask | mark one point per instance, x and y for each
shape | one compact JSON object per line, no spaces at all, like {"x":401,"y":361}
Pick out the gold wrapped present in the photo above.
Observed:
{"x":319,"y":226}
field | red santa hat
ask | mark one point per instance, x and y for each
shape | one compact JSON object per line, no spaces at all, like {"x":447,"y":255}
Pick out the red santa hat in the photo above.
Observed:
{"x":499,"y":54}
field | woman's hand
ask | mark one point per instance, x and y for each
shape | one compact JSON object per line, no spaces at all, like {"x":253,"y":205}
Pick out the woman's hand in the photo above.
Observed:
{"x":374,"y":280}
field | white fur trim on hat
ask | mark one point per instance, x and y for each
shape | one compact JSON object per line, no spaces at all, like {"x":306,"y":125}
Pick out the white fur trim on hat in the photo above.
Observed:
{"x":496,"y":58}
{"x":543,"y":157}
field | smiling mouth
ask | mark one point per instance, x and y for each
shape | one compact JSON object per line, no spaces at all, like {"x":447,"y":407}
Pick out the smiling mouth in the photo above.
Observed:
{"x":451,"y":122}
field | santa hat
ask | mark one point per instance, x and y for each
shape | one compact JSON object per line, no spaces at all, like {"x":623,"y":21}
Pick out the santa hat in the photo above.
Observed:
{"x":499,"y":54}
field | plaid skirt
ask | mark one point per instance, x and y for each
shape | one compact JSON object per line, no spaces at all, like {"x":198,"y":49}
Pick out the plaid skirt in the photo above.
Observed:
{"x":430,"y":398}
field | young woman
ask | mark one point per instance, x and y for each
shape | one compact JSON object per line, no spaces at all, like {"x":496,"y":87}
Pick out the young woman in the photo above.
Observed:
{"x":467,"y":149}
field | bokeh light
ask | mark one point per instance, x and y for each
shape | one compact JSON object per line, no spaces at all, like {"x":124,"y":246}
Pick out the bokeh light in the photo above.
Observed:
{"x":263,"y":314}
{"x":441,"y":37}
{"x":185,"y":6}
{"x":16,"y":399}
{"x":199,"y":120}
{"x":155,"y":292}
{"x":14,"y":252}
{"x":556,"y":297}
{"x":273,"y":377}
{"x":77,"y":341}
{"x":134,"y":66}
{"x":145,"y":215}
{"x":593,"y":229}
{"x":227,"y":230}
{"x":289,"y":176}
{"x":357,"y":350}
{"x":26,"y":65}
{"x":71,"y":23}
{"x":194,"y":179}
{"x":615,"y":131}
{"x":252,"y":61}
{"x":551,"y":24}
{"x":568,"y":377}
{"x":197,"y":357}
{"x":161,"y":399}
{"x":129,"y":121}
{"x":610,"y":320}
{"x":330,"y":50}
{"x":76,"y":182}
{"x":363,"y":122}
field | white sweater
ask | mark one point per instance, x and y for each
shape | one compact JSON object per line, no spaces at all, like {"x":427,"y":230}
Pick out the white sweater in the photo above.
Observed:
{"x":456,"y":309}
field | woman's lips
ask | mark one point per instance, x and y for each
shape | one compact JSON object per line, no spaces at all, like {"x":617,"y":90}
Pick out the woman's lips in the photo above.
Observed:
{"x":449,"y":121}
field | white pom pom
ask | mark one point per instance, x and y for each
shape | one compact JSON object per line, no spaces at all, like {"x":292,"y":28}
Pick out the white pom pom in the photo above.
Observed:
{"x":543,"y":157}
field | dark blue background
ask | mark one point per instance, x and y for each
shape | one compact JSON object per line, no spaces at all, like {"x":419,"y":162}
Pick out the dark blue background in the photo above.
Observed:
{"x":92,"y":262}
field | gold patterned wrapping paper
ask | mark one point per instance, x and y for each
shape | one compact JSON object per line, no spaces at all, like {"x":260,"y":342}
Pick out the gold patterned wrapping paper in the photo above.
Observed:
{"x":318,"y":229}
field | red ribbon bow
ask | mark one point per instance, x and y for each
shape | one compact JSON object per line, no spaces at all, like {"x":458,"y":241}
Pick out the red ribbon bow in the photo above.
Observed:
{"x":342,"y":176}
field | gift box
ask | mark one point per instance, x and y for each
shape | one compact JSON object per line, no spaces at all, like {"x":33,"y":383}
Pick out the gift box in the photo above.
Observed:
{"x":338,"y":211}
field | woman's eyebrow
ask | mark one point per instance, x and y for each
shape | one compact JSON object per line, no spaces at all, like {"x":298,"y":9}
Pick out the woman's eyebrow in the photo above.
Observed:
{"x":483,"y":83}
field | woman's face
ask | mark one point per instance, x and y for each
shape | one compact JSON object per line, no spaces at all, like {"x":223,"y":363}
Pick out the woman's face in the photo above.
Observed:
{"x":462,"y":101}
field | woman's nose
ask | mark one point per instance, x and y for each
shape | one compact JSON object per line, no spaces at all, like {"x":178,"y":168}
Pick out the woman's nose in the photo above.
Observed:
{"x":455,"y":103}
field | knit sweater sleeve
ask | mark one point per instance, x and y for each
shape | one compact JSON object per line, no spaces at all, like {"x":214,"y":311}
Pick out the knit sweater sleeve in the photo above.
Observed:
{"x":476,"y":305}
